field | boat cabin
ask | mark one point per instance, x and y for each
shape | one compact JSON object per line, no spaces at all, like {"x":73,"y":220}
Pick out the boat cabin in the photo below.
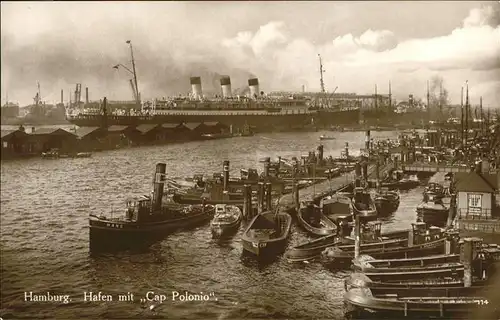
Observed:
{"x":138,"y":209}
{"x":249,"y":174}
{"x":371,"y":230}
{"x":419,"y":233}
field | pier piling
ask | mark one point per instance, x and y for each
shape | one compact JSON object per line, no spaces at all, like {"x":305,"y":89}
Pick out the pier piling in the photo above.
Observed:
{"x":367,"y":141}
{"x":159,"y":182}
{"x":451,"y":243}
{"x":357,"y":237}
{"x":467,"y":257}
{"x":320,"y":155}
{"x":452,"y":210}
{"x":247,"y":201}
{"x":296,"y":197}
{"x":260,"y":197}
{"x":267,"y":164}
{"x":226,"y":174}
{"x":365,"y":170}
{"x":269,"y":199}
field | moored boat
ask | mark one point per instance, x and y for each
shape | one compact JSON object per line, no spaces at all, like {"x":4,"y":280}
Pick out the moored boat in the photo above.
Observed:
{"x":386,"y":201}
{"x":363,"y":204}
{"x":427,"y":281}
{"x":337,"y":207}
{"x":267,"y":234}
{"x":433,"y":212}
{"x":323,"y":137}
{"x":147,"y":219}
{"x":312,"y":219}
{"x":366,"y":263}
{"x":371,"y":234}
{"x":226,"y":221}
{"x":451,"y":303}
{"x":419,"y":242}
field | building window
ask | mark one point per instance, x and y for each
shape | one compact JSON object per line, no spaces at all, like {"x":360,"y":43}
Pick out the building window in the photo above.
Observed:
{"x":5,"y":144}
{"x":474,"y":203}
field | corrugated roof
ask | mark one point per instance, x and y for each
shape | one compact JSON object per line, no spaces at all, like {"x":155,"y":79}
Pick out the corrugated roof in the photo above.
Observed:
{"x":83,"y":131}
{"x":170,"y":125}
{"x":211,"y":123}
{"x":474,"y":182}
{"x":192,"y":125}
{"x":42,"y":131}
{"x":144,"y":128}
{"x":7,"y":132}
{"x":116,"y":128}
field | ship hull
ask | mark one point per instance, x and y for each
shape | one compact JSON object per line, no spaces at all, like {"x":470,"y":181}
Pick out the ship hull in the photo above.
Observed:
{"x":106,"y":235}
{"x":259,"y":122}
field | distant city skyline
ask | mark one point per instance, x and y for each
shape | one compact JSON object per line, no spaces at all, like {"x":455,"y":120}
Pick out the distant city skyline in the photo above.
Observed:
{"x":362,"y":44}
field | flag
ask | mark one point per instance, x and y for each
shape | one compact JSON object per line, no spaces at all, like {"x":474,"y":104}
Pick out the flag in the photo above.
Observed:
{"x":128,"y":41}
{"x":116,"y":67}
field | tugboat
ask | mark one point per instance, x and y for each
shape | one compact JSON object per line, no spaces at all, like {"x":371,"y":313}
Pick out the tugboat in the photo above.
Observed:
{"x":147,"y":220}
{"x":226,"y":221}
{"x":386,"y":201}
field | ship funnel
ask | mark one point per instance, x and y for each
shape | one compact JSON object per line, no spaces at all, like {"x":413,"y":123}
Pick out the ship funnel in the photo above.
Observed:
{"x":196,"y":87}
{"x":158,"y":183}
{"x":254,"y":87}
{"x":225,"y":83}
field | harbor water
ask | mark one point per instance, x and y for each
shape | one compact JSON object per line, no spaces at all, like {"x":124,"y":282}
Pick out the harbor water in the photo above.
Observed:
{"x":44,"y":238}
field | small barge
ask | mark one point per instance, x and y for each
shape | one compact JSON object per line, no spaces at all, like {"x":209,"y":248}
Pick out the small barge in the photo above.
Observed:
{"x":226,"y":221}
{"x":312,"y":219}
{"x":451,"y":303}
{"x":267,"y":234}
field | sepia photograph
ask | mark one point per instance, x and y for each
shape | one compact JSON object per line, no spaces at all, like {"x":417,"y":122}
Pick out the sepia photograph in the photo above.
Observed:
{"x":250,"y":160}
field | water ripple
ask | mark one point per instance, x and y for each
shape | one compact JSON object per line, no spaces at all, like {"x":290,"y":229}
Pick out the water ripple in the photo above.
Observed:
{"x":44,"y":238}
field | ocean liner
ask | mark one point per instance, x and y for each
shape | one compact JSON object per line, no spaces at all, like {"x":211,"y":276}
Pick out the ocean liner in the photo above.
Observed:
{"x":256,"y":110}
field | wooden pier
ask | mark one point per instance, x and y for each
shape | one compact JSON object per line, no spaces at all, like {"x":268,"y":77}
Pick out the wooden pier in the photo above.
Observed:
{"x":325,"y":188}
{"x":433,"y":167}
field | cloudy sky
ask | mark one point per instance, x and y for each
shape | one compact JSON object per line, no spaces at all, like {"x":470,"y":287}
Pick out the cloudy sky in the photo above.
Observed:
{"x":362,"y":44}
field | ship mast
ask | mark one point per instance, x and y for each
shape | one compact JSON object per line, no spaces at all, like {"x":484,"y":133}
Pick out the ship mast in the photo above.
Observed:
{"x":321,"y":71}
{"x":428,"y":104}
{"x":138,"y":100}
{"x":481,"y":113}
{"x":390,"y":97}
{"x":462,"y":116}
{"x":467,"y":114}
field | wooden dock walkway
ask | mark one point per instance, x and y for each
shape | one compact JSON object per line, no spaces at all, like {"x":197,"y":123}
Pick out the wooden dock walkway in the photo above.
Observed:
{"x":325,"y":188}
